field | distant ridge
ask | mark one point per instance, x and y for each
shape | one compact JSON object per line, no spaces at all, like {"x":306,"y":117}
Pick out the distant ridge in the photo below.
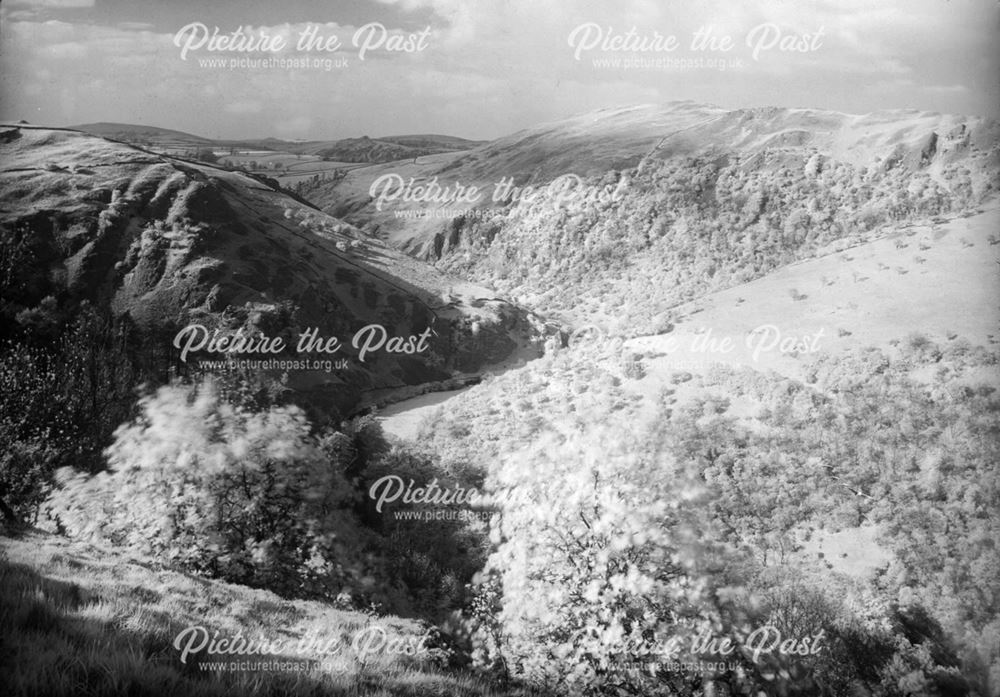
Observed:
{"x":357,"y":149}
{"x":128,"y":131}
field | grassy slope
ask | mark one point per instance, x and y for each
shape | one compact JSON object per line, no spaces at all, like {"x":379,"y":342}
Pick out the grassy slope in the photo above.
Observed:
{"x":940,"y":280}
{"x":77,"y":620}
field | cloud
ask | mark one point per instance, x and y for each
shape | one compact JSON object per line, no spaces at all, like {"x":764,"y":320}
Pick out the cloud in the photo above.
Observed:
{"x":490,"y":68}
{"x":946,"y":89}
{"x":244,"y":107}
{"x":72,"y":50}
{"x":294,"y":127}
{"x":135,"y":26}
{"x":56,"y":4}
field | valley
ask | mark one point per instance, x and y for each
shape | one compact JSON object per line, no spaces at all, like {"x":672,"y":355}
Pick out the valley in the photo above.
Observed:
{"x":717,"y":372}
{"x":867,"y":295}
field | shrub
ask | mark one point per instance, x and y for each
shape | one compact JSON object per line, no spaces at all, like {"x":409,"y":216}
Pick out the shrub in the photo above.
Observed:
{"x":917,"y":341}
{"x":219,"y":490}
{"x":601,"y":551}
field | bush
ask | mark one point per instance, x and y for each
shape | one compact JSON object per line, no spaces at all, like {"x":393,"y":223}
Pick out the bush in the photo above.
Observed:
{"x":222,"y":491}
{"x":601,"y":550}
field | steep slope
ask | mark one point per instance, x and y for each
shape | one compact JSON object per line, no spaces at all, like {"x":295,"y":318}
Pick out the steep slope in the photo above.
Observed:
{"x":644,"y":208}
{"x":701,"y":214}
{"x":591,"y":143}
{"x":938,"y":281}
{"x":171,"y":242}
{"x":74,"y":614}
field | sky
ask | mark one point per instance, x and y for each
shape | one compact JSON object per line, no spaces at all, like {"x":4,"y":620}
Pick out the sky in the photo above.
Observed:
{"x":482,"y":69}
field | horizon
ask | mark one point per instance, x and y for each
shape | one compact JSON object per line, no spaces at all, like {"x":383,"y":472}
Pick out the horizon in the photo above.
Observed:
{"x":312,"y":70}
{"x":260,"y":138}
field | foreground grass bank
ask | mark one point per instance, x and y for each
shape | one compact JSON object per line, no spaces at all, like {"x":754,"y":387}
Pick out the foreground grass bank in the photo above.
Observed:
{"x":78,"y":620}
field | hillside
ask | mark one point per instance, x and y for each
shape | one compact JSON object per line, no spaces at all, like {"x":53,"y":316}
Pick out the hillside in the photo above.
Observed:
{"x":670,"y":202}
{"x":764,"y":399}
{"x":171,"y":242}
{"x":853,"y":461}
{"x":611,"y":138}
{"x":79,"y":619}
{"x":939,"y":280}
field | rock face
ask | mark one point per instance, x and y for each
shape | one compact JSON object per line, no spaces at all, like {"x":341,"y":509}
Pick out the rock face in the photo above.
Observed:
{"x":171,"y":243}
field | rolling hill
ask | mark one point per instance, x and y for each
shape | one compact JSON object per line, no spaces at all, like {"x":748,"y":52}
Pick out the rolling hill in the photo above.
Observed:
{"x":150,"y":136}
{"x":171,"y":242}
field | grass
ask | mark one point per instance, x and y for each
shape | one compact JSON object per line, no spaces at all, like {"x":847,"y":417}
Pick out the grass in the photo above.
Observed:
{"x":77,"y":621}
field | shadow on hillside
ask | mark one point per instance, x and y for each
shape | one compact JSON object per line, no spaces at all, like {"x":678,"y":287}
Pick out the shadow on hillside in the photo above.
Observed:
{"x":60,"y":638}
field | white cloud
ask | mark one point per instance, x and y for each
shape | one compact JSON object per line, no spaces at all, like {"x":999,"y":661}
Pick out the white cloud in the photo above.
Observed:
{"x":61,"y":4}
{"x":135,"y":26}
{"x":493,"y":67}
{"x":946,"y":89}
{"x":294,"y":127}
{"x":72,"y":50}
{"x":244,"y":107}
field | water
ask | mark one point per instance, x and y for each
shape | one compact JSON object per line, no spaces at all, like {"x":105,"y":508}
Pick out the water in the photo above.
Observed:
{"x":402,"y":418}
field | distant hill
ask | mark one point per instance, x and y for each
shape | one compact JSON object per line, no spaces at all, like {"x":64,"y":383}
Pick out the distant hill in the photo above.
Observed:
{"x":363,"y":149}
{"x":144,"y":135}
{"x":434,"y":141}
{"x":389,"y":149}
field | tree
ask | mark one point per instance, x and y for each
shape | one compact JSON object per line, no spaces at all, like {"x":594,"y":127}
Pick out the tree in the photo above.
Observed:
{"x":217,"y":489}
{"x":65,"y":386}
{"x":206,"y":155}
{"x":601,"y":552}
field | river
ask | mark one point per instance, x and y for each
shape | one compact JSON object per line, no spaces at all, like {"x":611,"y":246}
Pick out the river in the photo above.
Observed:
{"x":402,"y":418}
